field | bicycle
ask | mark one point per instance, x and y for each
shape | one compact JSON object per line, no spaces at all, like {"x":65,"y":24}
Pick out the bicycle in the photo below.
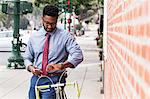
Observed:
{"x":59,"y":87}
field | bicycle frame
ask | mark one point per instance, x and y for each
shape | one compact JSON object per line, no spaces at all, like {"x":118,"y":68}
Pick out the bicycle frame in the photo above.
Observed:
{"x":58,"y":88}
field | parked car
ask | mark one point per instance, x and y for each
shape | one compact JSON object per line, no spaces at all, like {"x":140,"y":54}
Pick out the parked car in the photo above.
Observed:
{"x":6,"y":38}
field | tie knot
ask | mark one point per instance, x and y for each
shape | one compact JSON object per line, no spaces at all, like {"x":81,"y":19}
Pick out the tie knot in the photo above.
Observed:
{"x":48,"y":35}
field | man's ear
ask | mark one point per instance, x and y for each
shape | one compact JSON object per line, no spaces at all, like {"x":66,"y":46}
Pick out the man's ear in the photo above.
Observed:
{"x":42,"y":18}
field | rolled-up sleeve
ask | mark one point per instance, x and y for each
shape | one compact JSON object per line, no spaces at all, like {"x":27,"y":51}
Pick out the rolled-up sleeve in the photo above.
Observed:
{"x":29,"y":54}
{"x":75,"y":53}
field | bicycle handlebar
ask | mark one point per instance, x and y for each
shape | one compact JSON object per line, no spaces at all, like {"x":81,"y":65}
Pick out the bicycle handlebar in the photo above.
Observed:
{"x":55,"y":85}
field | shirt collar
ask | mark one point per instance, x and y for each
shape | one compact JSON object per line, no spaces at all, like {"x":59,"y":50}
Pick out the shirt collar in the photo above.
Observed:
{"x":51,"y":33}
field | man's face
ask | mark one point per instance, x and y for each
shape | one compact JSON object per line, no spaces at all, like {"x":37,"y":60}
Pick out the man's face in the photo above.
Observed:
{"x":49,"y":23}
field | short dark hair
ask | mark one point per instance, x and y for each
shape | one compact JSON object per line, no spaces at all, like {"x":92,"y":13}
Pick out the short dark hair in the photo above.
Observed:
{"x":50,"y":10}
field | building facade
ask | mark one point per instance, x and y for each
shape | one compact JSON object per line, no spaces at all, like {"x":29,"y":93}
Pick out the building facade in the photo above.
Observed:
{"x":127,"y":49}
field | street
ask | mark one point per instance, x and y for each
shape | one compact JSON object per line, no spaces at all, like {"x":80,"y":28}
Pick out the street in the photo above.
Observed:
{"x":6,"y":38}
{"x":4,"y":56}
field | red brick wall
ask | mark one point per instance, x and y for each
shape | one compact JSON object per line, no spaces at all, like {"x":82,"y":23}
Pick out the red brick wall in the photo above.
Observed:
{"x":127,"y":68}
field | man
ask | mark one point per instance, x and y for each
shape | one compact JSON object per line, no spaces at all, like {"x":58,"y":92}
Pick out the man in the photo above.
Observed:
{"x":63,"y":52}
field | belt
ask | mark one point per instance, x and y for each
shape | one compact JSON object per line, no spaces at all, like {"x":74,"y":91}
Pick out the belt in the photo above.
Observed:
{"x":57,"y":74}
{"x":54,"y":74}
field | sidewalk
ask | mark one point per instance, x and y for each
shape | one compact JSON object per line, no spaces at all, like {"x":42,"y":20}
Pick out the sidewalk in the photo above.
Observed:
{"x":14,"y":84}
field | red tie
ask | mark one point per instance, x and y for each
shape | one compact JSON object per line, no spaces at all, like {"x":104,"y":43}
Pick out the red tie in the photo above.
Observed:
{"x":45,"y":54}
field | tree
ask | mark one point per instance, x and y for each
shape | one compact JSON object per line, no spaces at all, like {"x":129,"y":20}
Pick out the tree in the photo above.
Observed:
{"x":80,"y":6}
{"x":85,"y":3}
{"x":101,"y":2}
{"x":39,"y":2}
{"x":3,"y":18}
{"x":24,"y":22}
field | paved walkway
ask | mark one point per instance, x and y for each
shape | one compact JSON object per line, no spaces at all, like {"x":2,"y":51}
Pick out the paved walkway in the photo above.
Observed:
{"x":14,"y":84}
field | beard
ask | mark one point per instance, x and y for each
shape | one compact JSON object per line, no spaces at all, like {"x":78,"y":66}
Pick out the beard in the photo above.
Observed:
{"x":49,"y":29}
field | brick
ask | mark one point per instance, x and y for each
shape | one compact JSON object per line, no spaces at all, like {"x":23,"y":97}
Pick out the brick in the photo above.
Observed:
{"x":141,"y":72}
{"x":137,"y":88}
{"x":144,"y":51}
{"x":148,"y":27}
{"x":142,"y":94}
{"x":147,"y":76}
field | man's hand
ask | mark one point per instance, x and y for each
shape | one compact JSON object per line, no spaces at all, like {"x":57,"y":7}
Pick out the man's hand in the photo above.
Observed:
{"x":54,"y":67}
{"x":35,"y":70}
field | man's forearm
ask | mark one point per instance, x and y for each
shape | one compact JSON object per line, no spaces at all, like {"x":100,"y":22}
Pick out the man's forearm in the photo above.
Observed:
{"x":67,"y":64}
